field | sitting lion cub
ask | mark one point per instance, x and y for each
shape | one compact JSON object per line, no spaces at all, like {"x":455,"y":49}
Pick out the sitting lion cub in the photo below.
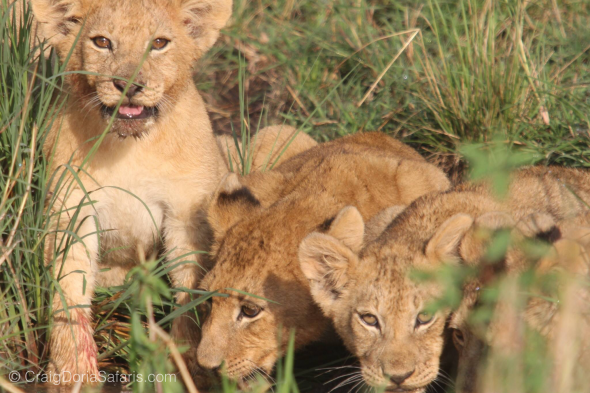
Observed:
{"x":380,"y":312}
{"x":155,"y":167}
{"x":258,"y":223}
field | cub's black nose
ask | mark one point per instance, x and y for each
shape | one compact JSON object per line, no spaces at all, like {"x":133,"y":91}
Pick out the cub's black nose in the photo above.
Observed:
{"x":121,"y":84}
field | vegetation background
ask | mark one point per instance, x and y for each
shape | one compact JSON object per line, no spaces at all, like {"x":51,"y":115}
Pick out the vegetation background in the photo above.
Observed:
{"x":477,"y":86}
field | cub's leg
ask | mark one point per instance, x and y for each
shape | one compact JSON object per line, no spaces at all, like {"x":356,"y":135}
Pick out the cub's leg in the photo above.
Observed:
{"x":184,"y":234}
{"x":72,"y":347}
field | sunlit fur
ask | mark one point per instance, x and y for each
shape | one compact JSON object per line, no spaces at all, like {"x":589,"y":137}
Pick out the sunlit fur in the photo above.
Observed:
{"x":143,"y":188}
{"x":428,"y":233}
{"x":259,"y":221}
{"x":564,"y":325}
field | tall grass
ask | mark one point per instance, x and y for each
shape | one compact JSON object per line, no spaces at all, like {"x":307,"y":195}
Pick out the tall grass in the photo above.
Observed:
{"x":476,"y":69}
{"x":492,"y":72}
{"x":26,"y":112}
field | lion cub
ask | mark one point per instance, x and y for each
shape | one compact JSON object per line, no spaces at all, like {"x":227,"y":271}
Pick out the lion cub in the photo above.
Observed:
{"x":565,"y":324}
{"x":258,"y":223}
{"x":154,"y":169}
{"x":380,"y":312}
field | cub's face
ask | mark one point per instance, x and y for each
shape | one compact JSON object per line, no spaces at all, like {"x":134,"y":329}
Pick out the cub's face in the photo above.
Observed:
{"x":138,"y":54}
{"x":150,"y":50}
{"x":243,"y":335}
{"x":264,"y":293}
{"x":240,"y":334}
{"x":389,"y":327}
{"x":380,"y":312}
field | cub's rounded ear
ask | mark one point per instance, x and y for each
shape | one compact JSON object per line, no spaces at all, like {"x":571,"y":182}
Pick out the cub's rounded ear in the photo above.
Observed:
{"x":475,"y":242}
{"x":203,"y":19}
{"x":349,"y":228}
{"x":230,"y":203}
{"x":444,"y":245}
{"x":325,"y":261}
{"x":57,"y":18}
{"x":380,"y":221}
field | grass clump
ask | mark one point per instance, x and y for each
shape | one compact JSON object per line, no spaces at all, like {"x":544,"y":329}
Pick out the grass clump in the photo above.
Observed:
{"x":26,"y":113}
{"x":476,"y":69}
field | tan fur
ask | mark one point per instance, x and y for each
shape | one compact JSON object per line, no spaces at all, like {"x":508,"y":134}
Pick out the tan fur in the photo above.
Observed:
{"x":149,"y":178}
{"x":376,"y":225}
{"x":259,"y":223}
{"x":17,"y":14}
{"x":565,"y":325}
{"x":268,"y":148}
{"x":401,"y":353}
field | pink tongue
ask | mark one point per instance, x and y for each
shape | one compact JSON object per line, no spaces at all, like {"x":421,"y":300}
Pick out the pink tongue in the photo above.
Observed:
{"x":130,"y":111}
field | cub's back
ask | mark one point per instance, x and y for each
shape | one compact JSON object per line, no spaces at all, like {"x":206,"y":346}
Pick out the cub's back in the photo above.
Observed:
{"x":319,"y":165}
{"x":562,"y":192}
{"x":366,"y":143}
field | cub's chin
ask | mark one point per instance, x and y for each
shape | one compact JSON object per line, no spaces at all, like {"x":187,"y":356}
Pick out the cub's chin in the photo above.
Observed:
{"x":130,"y":120}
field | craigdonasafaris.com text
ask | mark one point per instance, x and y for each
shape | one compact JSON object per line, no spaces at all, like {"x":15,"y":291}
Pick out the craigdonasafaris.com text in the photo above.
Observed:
{"x":101,"y":377}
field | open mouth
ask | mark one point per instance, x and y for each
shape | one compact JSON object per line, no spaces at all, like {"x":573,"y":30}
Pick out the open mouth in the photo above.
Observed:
{"x":131,"y":112}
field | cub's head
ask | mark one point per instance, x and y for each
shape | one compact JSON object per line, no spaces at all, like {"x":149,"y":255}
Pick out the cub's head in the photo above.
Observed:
{"x":255,"y":254}
{"x":562,"y":262}
{"x":384,"y":317}
{"x":138,"y":52}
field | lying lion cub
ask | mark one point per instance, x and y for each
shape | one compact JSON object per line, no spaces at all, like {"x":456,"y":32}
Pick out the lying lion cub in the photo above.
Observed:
{"x":380,"y":312}
{"x":153,"y":170}
{"x":565,"y":324}
{"x":258,"y":223}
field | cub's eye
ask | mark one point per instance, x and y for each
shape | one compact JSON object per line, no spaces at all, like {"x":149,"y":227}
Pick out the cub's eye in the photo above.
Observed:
{"x":160,"y":43}
{"x":424,"y":317}
{"x":102,"y":42}
{"x":370,"y":319}
{"x":250,"y":311}
{"x":458,"y":339}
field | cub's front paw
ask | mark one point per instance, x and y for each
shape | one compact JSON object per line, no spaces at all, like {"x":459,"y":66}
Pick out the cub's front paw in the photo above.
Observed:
{"x":73,"y":351}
